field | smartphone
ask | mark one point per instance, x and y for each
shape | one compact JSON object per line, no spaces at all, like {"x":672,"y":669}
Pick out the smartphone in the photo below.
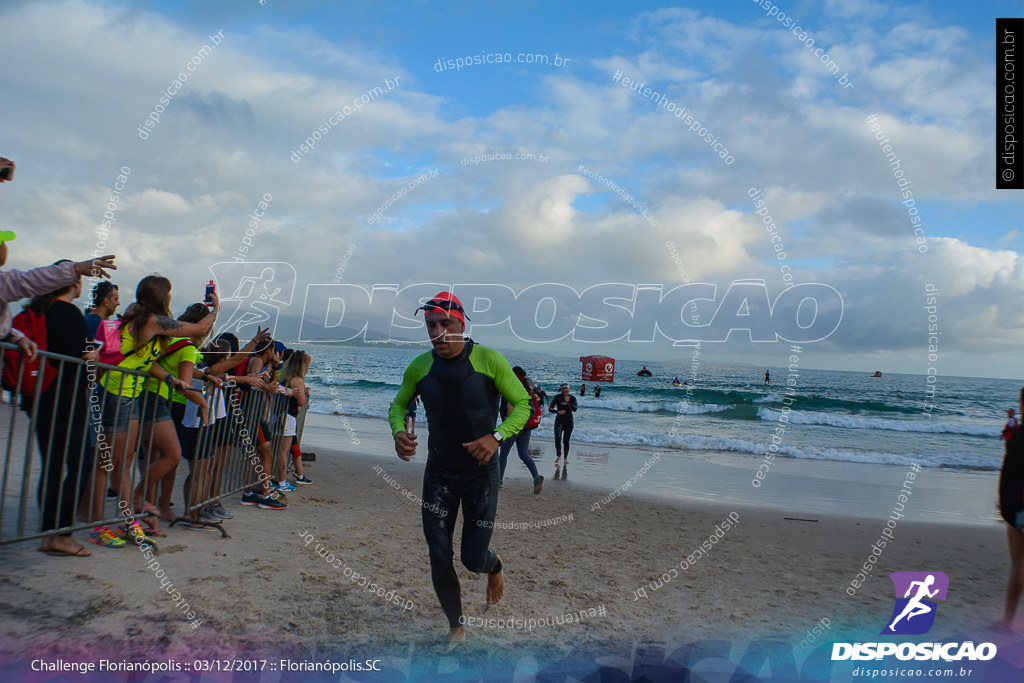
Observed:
{"x":211,"y":289}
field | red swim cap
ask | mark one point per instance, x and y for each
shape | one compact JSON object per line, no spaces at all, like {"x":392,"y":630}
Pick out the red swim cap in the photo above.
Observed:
{"x":448,"y":302}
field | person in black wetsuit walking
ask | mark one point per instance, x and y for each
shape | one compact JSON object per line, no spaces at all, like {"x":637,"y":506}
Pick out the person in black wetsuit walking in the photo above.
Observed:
{"x":459,"y":383}
{"x":563,"y":405}
{"x":1011,"y":509}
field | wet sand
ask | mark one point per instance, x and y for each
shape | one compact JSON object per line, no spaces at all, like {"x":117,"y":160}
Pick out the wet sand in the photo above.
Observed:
{"x":284,"y":585}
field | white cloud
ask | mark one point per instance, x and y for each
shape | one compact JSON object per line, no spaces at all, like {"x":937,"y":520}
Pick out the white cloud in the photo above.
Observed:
{"x":89,"y":75}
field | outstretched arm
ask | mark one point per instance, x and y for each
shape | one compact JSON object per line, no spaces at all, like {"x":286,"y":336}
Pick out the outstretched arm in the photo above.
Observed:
{"x":227,"y":363}
{"x":17,"y":284}
{"x":161,"y":325}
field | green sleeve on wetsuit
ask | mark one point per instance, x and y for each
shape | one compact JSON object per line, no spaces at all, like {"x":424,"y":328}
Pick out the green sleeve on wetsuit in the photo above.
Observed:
{"x":491,"y":363}
{"x":416,"y":371}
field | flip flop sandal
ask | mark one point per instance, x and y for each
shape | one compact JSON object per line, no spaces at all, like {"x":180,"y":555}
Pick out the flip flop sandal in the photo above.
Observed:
{"x":81,"y":552}
{"x":152,"y":529}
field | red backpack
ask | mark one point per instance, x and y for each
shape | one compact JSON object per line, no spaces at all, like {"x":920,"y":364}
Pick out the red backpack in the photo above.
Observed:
{"x":34,"y":327}
{"x":534,"y":420}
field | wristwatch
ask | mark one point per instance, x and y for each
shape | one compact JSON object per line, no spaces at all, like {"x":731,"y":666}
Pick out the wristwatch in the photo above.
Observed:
{"x":497,"y":435}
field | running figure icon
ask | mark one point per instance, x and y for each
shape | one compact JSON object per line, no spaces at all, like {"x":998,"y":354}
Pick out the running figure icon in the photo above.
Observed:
{"x":256,"y":293}
{"x":915,"y":607}
{"x":916,"y":601}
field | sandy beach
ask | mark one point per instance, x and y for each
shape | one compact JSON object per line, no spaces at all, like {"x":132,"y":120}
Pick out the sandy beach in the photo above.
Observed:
{"x":290,"y":583}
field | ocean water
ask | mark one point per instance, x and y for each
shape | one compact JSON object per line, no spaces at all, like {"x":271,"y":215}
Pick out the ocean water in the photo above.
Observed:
{"x":836,"y":415}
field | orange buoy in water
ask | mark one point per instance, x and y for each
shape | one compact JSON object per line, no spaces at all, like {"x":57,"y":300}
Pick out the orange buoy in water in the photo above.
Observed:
{"x":598,"y":368}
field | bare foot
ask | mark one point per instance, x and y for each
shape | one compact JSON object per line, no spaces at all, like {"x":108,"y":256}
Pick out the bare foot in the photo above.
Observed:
{"x":151,"y":527}
{"x":495,"y":586}
{"x":456,"y":637}
{"x":65,"y":545}
{"x":1002,"y":626}
{"x":166,"y":514}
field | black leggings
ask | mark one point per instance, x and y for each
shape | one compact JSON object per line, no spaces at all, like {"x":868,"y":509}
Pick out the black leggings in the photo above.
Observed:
{"x":563,"y":430}
{"x":65,"y":469}
{"x":443,"y":493}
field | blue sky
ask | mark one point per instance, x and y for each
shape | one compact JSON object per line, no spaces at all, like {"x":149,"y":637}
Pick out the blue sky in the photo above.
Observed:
{"x":89,"y":73}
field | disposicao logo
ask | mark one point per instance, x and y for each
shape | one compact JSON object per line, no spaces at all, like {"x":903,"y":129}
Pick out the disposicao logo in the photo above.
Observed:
{"x":914,"y":614}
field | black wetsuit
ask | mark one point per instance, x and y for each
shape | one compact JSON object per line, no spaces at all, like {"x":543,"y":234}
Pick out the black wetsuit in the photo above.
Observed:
{"x":1011,"y":478}
{"x":460,"y":397}
{"x":563,"y":423}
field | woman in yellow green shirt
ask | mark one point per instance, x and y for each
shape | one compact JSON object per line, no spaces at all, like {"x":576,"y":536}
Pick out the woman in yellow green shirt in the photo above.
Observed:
{"x":145,"y":330}
{"x":158,"y":424}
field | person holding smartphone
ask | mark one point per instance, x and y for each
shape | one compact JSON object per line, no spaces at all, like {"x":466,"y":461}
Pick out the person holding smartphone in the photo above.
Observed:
{"x":144,"y":334}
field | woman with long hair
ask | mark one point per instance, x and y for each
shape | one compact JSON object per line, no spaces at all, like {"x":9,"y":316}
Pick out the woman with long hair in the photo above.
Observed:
{"x":160,"y":436}
{"x":144,"y":332}
{"x":291,"y":382}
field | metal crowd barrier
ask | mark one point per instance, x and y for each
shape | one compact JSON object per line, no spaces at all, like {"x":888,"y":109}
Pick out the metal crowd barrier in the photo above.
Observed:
{"x":55,"y":454}
{"x":227,"y":454}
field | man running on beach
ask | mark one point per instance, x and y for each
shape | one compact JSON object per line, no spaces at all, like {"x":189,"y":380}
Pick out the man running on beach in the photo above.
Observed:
{"x":459,"y":383}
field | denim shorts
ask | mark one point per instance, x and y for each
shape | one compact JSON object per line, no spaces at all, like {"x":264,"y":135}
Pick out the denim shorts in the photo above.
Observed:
{"x":118,"y":412}
{"x":290,"y":424}
{"x":154,"y":408}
